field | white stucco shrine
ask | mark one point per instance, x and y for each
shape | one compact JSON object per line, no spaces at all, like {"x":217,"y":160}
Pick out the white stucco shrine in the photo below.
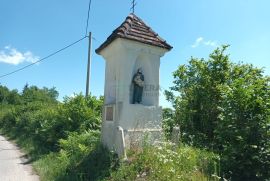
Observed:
{"x":132,"y":46}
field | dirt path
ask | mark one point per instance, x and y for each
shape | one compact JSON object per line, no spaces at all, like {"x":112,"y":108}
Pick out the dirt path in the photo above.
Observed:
{"x":12,"y":163}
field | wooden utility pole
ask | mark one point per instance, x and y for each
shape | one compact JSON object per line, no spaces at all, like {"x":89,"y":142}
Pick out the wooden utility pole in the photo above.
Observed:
{"x":88,"y":65}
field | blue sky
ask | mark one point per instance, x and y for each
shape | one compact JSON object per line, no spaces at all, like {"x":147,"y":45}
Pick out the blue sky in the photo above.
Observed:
{"x":32,"y":29}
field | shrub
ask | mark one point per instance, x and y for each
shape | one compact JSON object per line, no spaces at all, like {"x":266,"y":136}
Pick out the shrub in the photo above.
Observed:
{"x":81,"y":158}
{"x":79,"y":113}
{"x":224,"y":107}
{"x":168,"y":122}
{"x":43,"y":124}
{"x":7,"y":117}
{"x":168,"y":163}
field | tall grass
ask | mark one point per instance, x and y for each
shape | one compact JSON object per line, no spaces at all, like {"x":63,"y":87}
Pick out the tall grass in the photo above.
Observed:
{"x":168,"y":163}
{"x":83,"y":158}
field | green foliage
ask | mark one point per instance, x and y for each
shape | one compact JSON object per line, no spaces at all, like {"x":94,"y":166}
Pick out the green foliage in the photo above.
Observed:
{"x":33,"y":93}
{"x":225,"y":107}
{"x":168,"y":163}
{"x":80,"y":113}
{"x":76,"y":147}
{"x":43,"y":121}
{"x":4,"y":91}
{"x":198,"y":87}
{"x":28,"y":95}
{"x":75,"y":115}
{"x":81,"y":158}
{"x":243,"y":132}
{"x":7,"y":116}
{"x":9,"y":97}
{"x":62,"y":138}
{"x":168,"y":121}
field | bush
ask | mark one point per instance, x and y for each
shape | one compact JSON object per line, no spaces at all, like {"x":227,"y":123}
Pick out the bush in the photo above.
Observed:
{"x":81,"y":158}
{"x":168,"y":122}
{"x":168,"y":163}
{"x":244,"y":127}
{"x":224,"y":107}
{"x":43,"y":124}
{"x":80,"y":113}
{"x":7,"y":117}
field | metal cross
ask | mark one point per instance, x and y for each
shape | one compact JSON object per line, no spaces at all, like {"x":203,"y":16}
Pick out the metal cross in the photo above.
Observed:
{"x":133,"y":6}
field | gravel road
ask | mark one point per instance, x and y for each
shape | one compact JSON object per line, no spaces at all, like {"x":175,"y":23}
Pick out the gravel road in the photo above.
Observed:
{"x":12,"y":163}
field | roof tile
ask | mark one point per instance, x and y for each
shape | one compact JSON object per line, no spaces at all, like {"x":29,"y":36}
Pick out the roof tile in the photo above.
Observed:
{"x":133,"y":28}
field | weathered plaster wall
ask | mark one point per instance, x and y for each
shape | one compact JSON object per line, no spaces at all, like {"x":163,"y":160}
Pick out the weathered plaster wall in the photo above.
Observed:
{"x":123,"y":58}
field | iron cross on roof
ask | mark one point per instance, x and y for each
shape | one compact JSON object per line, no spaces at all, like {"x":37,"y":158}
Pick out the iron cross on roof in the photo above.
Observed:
{"x":133,"y":6}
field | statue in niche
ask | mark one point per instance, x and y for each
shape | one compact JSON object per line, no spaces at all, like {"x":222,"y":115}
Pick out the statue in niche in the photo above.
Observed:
{"x":138,"y":81}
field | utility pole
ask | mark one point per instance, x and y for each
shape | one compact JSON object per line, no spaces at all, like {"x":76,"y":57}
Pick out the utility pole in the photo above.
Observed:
{"x":88,"y":65}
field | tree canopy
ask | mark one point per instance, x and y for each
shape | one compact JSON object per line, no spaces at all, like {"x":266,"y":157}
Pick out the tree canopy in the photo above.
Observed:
{"x":225,"y":107}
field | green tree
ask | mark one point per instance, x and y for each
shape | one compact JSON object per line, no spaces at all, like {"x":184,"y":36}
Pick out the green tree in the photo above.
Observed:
{"x":243,"y":132}
{"x":14,"y":97}
{"x":9,"y":97}
{"x":218,"y":105}
{"x":197,"y":95}
{"x":4,"y":92}
{"x":33,"y":93}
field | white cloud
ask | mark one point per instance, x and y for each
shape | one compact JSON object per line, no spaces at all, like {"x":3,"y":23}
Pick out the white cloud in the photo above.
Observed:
{"x":197,"y":42}
{"x":200,"y":41}
{"x":12,"y":56}
{"x":210,"y":43}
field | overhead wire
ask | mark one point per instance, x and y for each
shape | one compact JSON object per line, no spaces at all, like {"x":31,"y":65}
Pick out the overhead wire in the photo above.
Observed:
{"x":52,"y":54}
{"x":87,"y":21}
{"x":44,"y":58}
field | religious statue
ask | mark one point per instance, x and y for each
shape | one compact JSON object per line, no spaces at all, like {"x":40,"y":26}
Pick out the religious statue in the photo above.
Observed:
{"x":138,"y":81}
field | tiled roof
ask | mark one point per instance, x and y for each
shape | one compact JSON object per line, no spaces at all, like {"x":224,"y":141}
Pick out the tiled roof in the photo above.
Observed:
{"x":133,"y":28}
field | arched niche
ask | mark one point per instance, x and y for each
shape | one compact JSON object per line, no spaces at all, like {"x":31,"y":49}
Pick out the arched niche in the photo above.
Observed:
{"x":143,"y":62}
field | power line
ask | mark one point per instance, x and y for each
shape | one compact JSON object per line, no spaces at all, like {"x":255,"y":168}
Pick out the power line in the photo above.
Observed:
{"x":89,"y":9}
{"x":52,"y":54}
{"x":44,"y":58}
